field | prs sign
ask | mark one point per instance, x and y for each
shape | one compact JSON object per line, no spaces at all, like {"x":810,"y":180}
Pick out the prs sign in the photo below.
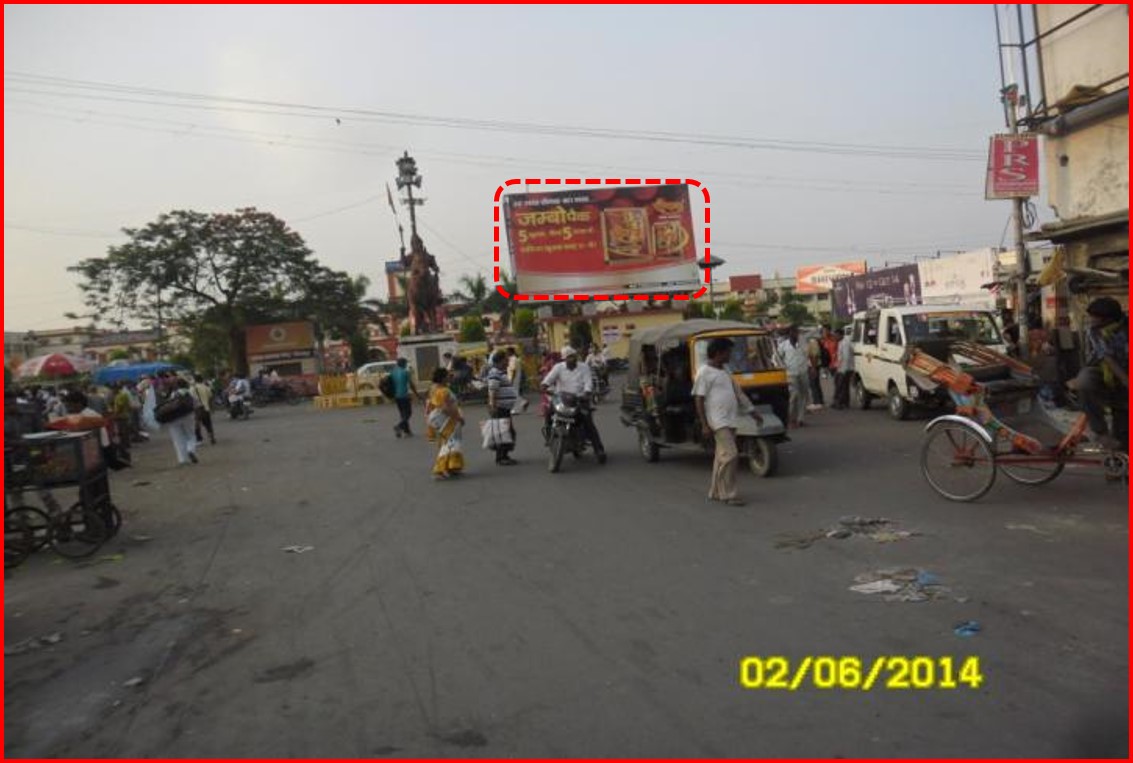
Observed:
{"x":1013,"y":167}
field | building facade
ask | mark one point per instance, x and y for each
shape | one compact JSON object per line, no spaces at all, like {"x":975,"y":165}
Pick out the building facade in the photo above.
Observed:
{"x":1082,"y":111}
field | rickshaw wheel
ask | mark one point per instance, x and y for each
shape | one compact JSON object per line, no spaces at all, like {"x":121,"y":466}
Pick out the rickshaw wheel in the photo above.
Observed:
{"x":649,"y":449}
{"x":111,"y":516}
{"x":78,"y":533}
{"x":762,"y":457}
{"x":1033,"y":474}
{"x":33,"y":520}
{"x":26,"y":530}
{"x":957,"y":462}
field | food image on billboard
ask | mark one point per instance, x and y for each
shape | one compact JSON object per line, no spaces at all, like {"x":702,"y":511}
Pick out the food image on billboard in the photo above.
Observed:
{"x":624,"y":240}
{"x":625,"y":233}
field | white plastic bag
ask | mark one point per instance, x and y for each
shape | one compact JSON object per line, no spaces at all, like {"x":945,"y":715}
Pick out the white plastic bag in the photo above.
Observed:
{"x":495,"y":432}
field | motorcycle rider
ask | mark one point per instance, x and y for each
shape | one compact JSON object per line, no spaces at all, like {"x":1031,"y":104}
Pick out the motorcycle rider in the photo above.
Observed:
{"x":597,"y":362}
{"x":574,"y":378}
{"x":239,"y":390}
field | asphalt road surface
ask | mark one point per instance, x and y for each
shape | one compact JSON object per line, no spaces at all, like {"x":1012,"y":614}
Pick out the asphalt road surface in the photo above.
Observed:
{"x":602,"y":611}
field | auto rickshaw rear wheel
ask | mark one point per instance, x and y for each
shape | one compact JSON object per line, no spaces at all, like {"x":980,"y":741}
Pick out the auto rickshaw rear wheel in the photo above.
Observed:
{"x":762,"y":457}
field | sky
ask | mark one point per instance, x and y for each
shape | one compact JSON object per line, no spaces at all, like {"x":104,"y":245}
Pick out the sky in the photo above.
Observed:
{"x":856,"y":132}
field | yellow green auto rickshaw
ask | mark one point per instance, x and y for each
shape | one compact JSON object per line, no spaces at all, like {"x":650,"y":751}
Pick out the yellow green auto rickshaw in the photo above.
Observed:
{"x":657,"y":399}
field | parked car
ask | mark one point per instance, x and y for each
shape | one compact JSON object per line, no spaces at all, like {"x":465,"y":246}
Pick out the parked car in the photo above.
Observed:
{"x":366,"y":378}
{"x":884,"y":336}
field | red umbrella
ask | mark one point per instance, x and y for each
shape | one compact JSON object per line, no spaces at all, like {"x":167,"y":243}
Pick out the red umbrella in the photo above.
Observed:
{"x":55,"y":365}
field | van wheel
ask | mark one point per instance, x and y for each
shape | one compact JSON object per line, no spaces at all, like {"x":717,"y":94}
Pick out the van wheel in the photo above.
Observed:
{"x":898,"y":405}
{"x":862,"y":399}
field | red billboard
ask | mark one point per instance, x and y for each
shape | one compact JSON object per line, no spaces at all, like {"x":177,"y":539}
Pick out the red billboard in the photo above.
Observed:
{"x":1012,"y":167}
{"x":627,"y":240}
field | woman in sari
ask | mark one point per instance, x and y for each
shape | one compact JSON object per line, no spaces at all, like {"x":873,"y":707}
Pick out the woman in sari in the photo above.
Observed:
{"x":445,"y":426}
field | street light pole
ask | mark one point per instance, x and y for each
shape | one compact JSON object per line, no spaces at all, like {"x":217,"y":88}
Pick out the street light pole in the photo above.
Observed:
{"x":713,"y":262}
{"x":1011,"y":99}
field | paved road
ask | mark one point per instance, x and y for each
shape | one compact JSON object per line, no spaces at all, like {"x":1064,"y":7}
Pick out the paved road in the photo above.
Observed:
{"x":602,"y":611}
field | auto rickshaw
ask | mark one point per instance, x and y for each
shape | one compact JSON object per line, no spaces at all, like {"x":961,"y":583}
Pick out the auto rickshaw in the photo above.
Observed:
{"x":657,"y":399}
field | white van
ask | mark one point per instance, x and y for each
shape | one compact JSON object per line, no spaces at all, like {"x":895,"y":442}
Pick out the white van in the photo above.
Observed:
{"x":882,"y":336}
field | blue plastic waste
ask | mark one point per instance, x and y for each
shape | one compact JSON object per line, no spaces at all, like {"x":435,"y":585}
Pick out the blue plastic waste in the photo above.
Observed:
{"x":967,"y":628}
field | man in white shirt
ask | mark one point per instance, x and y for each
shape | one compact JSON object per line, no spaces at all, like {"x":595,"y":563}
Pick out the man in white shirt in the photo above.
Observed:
{"x":797,"y":362}
{"x":845,"y":369}
{"x":719,"y":405}
{"x":574,"y":378}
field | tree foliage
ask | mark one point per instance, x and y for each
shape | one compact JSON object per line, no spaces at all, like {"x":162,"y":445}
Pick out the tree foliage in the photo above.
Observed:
{"x":733,"y":311}
{"x":581,"y":336}
{"x":472,"y":329}
{"x":230,"y":269}
{"x":526,"y":324}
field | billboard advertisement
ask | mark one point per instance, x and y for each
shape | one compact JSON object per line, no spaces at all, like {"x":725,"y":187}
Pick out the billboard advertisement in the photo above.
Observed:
{"x":280,"y":341}
{"x":1012,"y":167}
{"x":898,"y":285}
{"x":959,"y":278}
{"x":602,"y":240}
{"x":813,"y":279}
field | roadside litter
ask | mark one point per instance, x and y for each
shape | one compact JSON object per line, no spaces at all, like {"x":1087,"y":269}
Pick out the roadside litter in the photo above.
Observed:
{"x":877,"y":529}
{"x":135,"y":681}
{"x":298,"y":549}
{"x":967,"y":628}
{"x":32,"y":644}
{"x":904,"y":584}
{"x":1028,"y":528}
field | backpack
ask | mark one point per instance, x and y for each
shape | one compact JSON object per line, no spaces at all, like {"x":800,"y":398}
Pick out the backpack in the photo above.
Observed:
{"x":174,"y":407}
{"x":385,"y":386}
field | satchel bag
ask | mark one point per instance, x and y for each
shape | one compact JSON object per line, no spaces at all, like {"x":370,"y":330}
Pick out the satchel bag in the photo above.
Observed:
{"x":172,"y":408}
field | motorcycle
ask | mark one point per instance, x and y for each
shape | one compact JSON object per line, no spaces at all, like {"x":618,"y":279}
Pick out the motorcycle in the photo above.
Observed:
{"x":238,"y":407}
{"x":566,"y":432}
{"x":601,"y":383}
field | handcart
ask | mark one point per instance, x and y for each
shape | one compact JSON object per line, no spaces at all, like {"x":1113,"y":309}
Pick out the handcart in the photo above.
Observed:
{"x":1000,"y":425}
{"x":41,"y":463}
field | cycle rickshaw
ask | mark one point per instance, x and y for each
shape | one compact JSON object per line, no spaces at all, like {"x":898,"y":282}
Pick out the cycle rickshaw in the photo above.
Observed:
{"x":1000,"y":426}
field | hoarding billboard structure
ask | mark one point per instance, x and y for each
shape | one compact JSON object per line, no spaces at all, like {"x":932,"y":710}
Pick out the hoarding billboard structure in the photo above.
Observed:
{"x":625,"y":240}
{"x":816,"y":279}
{"x":960,"y":278}
{"x":899,"y":285}
{"x":1012,"y":167}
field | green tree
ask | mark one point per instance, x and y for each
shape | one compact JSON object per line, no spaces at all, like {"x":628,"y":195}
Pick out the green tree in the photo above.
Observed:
{"x":733,"y":311}
{"x":699,"y":309}
{"x":581,"y":335}
{"x":795,"y":313}
{"x":472,"y":329}
{"x":359,"y":349}
{"x":472,"y":294}
{"x":526,"y":324}
{"x":186,"y":262}
{"x":498,"y":303}
{"x":119,"y":354}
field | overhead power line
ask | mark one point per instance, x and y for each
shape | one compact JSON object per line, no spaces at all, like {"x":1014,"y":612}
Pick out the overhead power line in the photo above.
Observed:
{"x":306,"y":142}
{"x":62,"y":87}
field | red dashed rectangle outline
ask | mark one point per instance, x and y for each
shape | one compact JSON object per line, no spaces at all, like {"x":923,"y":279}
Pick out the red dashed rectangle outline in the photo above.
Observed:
{"x":598,"y":297}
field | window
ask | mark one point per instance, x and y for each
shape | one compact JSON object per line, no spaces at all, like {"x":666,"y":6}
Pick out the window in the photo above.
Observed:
{"x":893,"y":331}
{"x":871,"y":323}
